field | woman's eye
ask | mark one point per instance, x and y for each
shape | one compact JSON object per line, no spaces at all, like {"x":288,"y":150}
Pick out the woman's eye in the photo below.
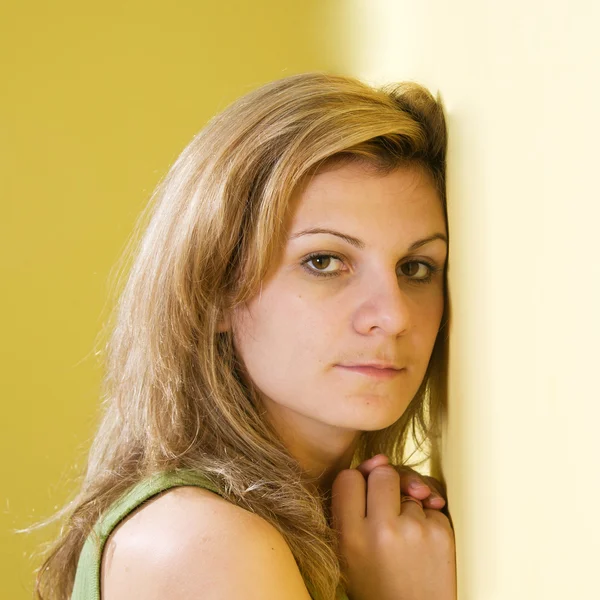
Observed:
{"x":420,"y":271}
{"x":321,"y":261}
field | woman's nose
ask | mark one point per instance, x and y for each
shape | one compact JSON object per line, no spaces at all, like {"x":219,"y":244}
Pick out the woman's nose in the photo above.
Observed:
{"x":386,"y":306}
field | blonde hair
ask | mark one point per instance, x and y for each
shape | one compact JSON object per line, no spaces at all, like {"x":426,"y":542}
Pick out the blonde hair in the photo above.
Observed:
{"x":173,"y":391}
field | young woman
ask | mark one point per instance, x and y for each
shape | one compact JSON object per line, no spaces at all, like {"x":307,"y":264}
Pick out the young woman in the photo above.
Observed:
{"x":280,"y":334}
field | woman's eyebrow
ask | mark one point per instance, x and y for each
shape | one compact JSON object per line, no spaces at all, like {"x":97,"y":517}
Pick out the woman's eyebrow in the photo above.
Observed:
{"x":360,"y":244}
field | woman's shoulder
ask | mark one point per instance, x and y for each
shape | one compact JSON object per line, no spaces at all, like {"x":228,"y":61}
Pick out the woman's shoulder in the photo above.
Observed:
{"x":180,"y":512}
{"x":187,"y":538}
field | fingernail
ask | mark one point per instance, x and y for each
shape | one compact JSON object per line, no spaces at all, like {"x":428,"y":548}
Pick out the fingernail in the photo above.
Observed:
{"x":438,"y":501}
{"x":375,"y":459}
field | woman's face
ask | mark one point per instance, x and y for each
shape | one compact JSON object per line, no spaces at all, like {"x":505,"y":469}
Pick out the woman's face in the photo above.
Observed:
{"x":374,"y":301}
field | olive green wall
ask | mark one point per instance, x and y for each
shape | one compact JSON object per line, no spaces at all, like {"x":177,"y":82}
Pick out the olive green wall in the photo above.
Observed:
{"x":96,"y":103}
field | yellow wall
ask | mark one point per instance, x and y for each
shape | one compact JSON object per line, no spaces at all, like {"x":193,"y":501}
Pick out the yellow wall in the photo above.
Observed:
{"x":521,"y":88}
{"x":96,"y":103}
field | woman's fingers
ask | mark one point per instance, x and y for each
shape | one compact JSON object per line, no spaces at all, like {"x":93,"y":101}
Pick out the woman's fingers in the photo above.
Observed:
{"x":421,"y":487}
{"x":384,"y":501}
{"x":348,"y":499}
{"x":436,"y":486}
{"x":383,"y":493}
{"x":368,"y":465}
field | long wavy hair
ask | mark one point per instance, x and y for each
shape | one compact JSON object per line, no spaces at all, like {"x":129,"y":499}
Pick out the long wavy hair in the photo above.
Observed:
{"x":173,"y":392}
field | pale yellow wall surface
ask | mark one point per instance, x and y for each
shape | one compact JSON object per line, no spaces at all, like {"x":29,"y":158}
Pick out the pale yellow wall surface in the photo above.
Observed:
{"x":522,"y":93}
{"x":96,"y":103}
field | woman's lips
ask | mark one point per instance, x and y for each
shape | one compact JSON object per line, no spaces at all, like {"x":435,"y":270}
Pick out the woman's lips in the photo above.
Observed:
{"x":374,"y":372}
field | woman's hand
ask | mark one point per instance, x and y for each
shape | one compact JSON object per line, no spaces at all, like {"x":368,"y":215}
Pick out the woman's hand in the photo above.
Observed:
{"x":391,"y":550}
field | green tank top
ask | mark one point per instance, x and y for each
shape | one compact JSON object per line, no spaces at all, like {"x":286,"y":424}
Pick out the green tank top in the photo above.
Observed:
{"x":87,"y":576}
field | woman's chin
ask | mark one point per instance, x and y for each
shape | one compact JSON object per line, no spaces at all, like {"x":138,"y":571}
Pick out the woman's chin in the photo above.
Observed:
{"x":375,"y":412}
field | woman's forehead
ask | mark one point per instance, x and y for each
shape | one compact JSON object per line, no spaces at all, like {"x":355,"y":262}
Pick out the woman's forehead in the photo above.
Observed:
{"x":351,"y":188}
